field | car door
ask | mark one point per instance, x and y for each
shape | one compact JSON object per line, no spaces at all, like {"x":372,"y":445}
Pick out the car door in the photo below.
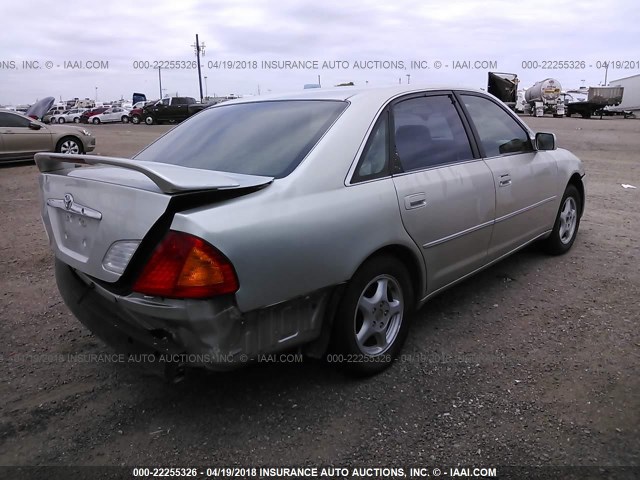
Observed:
{"x":445,"y":191}
{"x":116,"y":113}
{"x":21,"y":141}
{"x":525,"y":179}
{"x":161,"y":109}
{"x":178,"y":109}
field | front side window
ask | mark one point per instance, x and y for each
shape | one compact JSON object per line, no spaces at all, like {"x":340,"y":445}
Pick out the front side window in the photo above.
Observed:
{"x":429,"y":132}
{"x":12,"y":120}
{"x":257,"y":138}
{"x":499,"y":133}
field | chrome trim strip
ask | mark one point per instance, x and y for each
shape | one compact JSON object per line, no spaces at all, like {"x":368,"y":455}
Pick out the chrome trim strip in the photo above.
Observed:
{"x":479,"y":269}
{"x":440,"y":165}
{"x":487,"y":224}
{"x":458,"y":234}
{"x":525,"y":209}
{"x":74,"y":208}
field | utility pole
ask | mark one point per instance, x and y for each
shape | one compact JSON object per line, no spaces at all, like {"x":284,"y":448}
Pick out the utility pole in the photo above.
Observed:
{"x":160,"y":82}
{"x":199,"y":48}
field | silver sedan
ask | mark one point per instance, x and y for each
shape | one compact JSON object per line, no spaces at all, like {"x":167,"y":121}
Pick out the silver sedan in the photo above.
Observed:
{"x":317,"y":220}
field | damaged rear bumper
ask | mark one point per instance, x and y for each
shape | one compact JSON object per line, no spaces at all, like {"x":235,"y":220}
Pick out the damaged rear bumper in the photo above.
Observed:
{"x":208,"y":333}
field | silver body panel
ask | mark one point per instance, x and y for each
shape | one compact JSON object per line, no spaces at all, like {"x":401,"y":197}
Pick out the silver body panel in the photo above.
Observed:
{"x":300,"y":236}
{"x":526,"y":190}
{"x":453,"y":224}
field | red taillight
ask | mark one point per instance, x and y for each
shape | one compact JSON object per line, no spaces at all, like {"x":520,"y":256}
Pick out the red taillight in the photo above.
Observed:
{"x":184,"y":266}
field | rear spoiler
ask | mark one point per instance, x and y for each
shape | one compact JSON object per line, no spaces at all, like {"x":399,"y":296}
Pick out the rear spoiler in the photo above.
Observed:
{"x":169,"y":178}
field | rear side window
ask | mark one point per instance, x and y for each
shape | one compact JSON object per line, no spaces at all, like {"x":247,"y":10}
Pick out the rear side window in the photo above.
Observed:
{"x":261,"y":138}
{"x":429,"y":132}
{"x":499,"y":133}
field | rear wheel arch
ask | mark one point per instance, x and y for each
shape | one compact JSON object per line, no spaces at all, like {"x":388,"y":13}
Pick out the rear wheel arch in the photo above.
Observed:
{"x":409,"y":260}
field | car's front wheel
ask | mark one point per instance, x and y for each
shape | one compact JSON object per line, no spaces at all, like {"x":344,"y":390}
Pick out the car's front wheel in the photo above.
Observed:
{"x":135,"y":119}
{"x":567,"y":222}
{"x":125,"y":119}
{"x":372,"y":320}
{"x":61,"y":120}
{"x":149,"y":120}
{"x":69,"y":145}
{"x":96,"y":121}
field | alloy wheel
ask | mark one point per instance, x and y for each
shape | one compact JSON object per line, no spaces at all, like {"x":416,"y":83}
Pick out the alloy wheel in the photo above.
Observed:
{"x":379,"y":315}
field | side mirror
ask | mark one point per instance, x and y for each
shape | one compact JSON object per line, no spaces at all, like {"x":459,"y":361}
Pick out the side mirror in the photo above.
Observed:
{"x":35,"y":126}
{"x":546,"y":141}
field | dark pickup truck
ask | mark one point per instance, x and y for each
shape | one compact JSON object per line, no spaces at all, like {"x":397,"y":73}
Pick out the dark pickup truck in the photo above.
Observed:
{"x":171,"y":109}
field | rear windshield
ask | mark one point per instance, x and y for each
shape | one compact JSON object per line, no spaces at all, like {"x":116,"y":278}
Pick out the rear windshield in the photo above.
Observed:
{"x":262,"y":138}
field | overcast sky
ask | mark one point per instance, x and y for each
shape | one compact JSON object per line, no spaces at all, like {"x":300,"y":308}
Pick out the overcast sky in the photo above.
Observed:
{"x":507,"y":33}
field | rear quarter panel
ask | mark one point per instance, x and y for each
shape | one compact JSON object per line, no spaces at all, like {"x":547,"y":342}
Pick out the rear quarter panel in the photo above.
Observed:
{"x":283,"y":247}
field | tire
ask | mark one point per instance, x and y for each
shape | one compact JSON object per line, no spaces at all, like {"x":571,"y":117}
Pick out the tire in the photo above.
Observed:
{"x":70,"y":145}
{"x":149,"y":120}
{"x":380,"y":295}
{"x":95,"y":121}
{"x":565,"y":228}
{"x":61,"y":120}
{"x":76,"y":120}
{"x":125,"y":119}
{"x":135,"y":119}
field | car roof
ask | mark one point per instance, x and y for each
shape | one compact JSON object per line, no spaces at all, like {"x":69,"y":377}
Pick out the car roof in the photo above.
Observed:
{"x":353,"y":93}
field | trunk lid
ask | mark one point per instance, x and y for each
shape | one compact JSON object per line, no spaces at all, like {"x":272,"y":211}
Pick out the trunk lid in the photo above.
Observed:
{"x":97,"y":217}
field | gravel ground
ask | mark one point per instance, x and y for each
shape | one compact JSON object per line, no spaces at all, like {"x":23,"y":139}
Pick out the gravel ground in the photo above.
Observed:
{"x":532,"y":362}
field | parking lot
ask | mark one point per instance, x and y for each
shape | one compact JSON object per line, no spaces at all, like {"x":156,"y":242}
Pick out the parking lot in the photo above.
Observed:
{"x":532,"y":362}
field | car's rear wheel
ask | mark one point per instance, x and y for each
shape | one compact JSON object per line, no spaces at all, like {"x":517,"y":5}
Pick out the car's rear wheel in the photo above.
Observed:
{"x":125,"y":119}
{"x":95,"y":121}
{"x":135,"y":119}
{"x":76,"y":120}
{"x":149,"y":120}
{"x":61,"y":120}
{"x":372,"y":321}
{"x":567,"y":222}
{"x":69,"y":145}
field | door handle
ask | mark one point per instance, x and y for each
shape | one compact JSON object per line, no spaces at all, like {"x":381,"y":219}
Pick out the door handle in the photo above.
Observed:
{"x":505,"y":180}
{"x":416,"y":200}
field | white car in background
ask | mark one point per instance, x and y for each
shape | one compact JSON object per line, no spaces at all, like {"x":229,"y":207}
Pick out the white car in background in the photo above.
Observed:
{"x":114,"y":114}
{"x":71,"y":116}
